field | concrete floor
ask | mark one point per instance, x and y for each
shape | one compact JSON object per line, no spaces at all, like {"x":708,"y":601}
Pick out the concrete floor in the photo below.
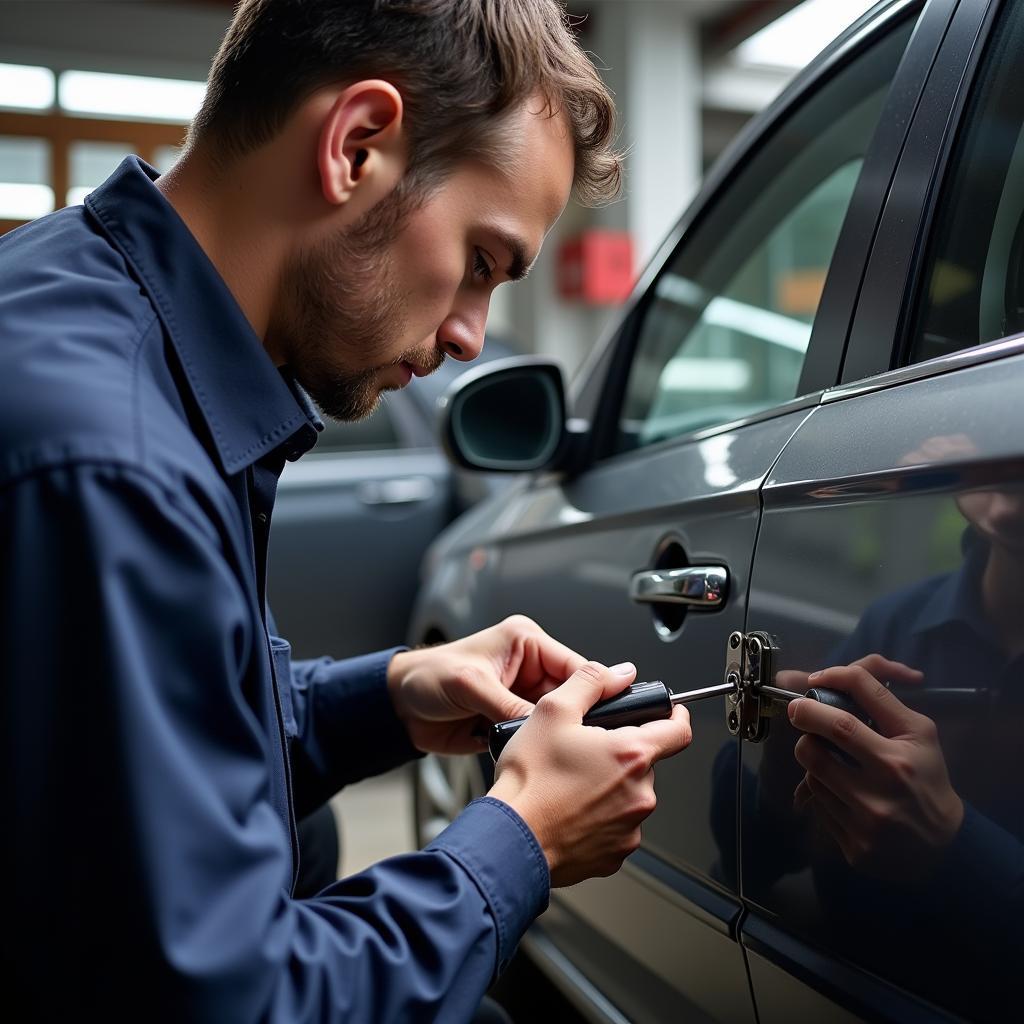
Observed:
{"x":374,"y":819}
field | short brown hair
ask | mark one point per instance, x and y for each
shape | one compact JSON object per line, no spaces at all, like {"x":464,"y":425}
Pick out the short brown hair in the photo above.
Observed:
{"x":459,"y":64}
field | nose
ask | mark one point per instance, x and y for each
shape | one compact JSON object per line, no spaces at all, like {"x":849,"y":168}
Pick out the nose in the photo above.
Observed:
{"x":461,"y":335}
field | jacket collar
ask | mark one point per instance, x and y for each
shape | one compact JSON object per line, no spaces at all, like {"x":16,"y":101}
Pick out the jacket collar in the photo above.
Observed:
{"x":249,"y":407}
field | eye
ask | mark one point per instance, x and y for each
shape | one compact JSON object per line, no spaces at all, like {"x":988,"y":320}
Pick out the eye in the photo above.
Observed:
{"x":481,"y":267}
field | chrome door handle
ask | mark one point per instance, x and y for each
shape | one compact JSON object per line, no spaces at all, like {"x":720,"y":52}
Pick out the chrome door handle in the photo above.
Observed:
{"x":698,"y":586}
{"x":402,"y":491}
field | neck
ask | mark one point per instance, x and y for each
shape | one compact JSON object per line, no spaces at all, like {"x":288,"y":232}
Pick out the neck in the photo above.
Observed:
{"x":239,"y":239}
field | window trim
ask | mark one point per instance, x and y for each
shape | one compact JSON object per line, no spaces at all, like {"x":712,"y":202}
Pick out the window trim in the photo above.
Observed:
{"x":975,"y":355}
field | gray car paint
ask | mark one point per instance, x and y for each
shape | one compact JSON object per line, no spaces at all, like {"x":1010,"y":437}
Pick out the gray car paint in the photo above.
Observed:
{"x":848,"y":527}
{"x":566,"y":552}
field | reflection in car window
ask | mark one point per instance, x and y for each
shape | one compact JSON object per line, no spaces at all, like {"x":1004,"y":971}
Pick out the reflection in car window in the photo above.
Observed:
{"x":731,"y":315}
{"x":973,"y":284}
{"x":377,"y":431}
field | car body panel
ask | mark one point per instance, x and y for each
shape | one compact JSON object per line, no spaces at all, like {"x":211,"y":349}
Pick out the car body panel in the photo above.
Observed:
{"x":878,"y":532}
{"x":566,"y":551}
{"x":349,"y":531}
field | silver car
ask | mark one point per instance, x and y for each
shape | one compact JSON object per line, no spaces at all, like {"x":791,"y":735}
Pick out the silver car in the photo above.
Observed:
{"x":802,"y":447}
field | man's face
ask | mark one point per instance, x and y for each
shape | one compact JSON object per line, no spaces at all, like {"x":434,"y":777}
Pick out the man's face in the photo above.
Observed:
{"x":395,"y":293}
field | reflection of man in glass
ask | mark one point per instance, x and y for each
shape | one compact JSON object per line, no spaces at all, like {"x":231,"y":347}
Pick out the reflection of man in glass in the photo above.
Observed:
{"x":931,"y":837}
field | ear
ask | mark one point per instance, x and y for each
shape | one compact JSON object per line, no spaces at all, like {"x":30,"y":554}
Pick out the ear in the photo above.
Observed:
{"x":361,"y":150}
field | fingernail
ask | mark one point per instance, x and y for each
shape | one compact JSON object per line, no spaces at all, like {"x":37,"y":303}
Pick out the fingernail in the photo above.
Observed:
{"x":624,"y":668}
{"x":791,"y":710}
{"x":814,"y":675}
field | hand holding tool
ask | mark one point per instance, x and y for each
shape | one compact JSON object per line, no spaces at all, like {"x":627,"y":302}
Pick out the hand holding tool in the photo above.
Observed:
{"x":640,"y":703}
{"x":649,"y":701}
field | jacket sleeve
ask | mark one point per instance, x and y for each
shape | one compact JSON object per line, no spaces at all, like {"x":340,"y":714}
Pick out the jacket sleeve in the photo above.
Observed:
{"x":345,"y":726}
{"x":150,"y":872}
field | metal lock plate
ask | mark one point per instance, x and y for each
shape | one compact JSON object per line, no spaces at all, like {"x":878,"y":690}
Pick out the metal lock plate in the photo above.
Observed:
{"x":750,"y":662}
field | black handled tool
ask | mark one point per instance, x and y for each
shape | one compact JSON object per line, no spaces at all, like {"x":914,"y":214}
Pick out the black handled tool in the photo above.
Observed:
{"x":647,"y":702}
{"x":833,"y":698}
{"x":642,"y":702}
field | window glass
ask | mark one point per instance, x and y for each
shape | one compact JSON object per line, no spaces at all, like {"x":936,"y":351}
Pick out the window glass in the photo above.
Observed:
{"x":26,"y":88}
{"x":377,"y":431}
{"x":25,"y":190}
{"x":165,"y":157}
{"x":972,"y":288}
{"x":728,"y":325}
{"x":90,"y":164}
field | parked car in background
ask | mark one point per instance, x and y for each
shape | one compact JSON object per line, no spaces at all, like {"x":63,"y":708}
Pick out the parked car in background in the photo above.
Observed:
{"x":354,"y":517}
{"x":802,"y":446}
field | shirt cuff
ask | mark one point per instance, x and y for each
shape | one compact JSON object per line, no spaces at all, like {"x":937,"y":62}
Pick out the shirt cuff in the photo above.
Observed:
{"x":497,"y":849}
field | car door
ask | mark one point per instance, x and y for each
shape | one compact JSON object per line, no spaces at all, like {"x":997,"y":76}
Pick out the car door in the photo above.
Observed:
{"x":710,"y":380}
{"x":893,"y":526}
{"x":350,"y":526}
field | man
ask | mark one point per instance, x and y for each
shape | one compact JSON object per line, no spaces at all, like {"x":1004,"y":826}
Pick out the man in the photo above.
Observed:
{"x":361,"y":176}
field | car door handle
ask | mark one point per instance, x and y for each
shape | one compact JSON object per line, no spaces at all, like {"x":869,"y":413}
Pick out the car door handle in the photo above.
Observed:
{"x":401,"y":491}
{"x":697,"y":586}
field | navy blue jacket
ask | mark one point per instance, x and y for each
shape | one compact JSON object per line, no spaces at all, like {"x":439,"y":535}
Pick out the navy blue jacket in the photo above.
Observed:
{"x":160,"y":739}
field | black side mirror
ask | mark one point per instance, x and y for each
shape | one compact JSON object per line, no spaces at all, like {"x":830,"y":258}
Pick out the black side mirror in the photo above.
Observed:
{"x":507,"y":416}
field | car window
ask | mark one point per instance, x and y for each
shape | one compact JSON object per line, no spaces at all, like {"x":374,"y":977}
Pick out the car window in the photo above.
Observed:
{"x":972,"y":287}
{"x":374,"y":433}
{"x":727,"y":327}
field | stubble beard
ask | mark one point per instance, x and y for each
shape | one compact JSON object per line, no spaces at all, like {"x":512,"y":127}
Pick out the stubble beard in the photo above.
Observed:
{"x":346,"y":306}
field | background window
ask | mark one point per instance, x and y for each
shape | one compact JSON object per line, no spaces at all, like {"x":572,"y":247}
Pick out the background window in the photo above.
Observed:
{"x":25,"y":189}
{"x":61,"y":137}
{"x":91,"y":163}
{"x":972,"y":287}
{"x":730,"y":318}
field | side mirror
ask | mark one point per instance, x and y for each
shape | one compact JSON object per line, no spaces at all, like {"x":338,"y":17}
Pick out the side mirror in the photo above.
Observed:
{"x":507,"y":416}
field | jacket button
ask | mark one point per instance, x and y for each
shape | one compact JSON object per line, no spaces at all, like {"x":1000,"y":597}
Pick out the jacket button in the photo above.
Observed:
{"x":261,"y":518}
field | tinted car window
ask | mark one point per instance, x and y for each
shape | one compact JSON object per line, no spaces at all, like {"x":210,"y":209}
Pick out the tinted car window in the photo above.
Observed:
{"x":731,"y":315}
{"x":973,"y":283}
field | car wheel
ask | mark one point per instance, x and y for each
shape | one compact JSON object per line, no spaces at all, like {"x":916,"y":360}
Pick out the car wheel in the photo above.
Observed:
{"x":442,"y":787}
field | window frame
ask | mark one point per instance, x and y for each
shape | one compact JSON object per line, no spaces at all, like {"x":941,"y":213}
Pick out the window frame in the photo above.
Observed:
{"x":879,"y":334}
{"x":60,"y":130}
{"x":825,"y":350}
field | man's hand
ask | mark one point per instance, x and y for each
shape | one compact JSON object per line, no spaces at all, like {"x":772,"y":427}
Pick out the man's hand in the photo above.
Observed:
{"x":447,"y":696}
{"x":583,"y":790}
{"x":894,"y":810}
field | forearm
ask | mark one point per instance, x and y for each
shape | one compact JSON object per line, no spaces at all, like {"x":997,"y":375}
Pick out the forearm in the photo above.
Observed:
{"x":346,"y":725}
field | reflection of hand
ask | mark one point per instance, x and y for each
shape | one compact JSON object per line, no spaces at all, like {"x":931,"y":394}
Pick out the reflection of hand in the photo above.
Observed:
{"x":892,"y":811}
{"x":585,"y":791}
{"x":447,"y":695}
{"x":941,"y":448}
{"x":779,"y":772}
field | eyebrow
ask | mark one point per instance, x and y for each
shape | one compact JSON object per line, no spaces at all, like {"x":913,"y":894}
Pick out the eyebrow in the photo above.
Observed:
{"x":519,"y":265}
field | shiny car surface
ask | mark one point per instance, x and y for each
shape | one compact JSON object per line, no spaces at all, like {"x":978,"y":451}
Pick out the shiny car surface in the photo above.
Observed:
{"x":818,"y":385}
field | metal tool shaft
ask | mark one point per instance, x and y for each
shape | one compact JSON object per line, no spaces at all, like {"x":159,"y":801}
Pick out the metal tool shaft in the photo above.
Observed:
{"x":775,"y":691}
{"x":689,"y":696}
